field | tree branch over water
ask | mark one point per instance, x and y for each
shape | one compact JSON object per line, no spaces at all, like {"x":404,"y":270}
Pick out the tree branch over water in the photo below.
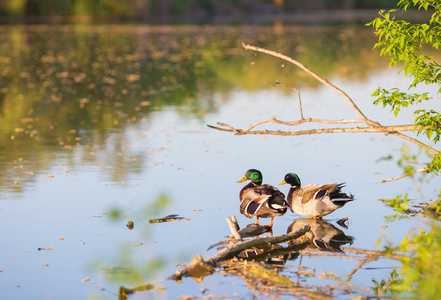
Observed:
{"x":371,"y":126}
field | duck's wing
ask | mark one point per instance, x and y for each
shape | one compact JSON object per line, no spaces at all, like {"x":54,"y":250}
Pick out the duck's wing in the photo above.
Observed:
{"x":313,"y":191}
{"x":262,"y":199}
{"x":320,"y":191}
{"x":263,"y":192}
{"x":249,"y":207}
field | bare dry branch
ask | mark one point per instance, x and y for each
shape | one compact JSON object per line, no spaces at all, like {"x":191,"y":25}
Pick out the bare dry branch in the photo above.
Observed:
{"x":402,"y":176}
{"x":291,"y":123}
{"x":372,"y":125}
{"x":313,"y":74}
{"x":226,"y":125}
{"x":415,"y":142}
{"x":386,"y":129}
{"x":233,"y":228}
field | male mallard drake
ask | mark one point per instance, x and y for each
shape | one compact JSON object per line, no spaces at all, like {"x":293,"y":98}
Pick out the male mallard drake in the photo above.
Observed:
{"x":261,"y":200}
{"x":314,"y":200}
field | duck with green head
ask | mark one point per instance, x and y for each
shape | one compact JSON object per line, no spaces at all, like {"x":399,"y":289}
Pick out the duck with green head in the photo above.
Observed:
{"x":314,"y":200}
{"x":261,"y":200}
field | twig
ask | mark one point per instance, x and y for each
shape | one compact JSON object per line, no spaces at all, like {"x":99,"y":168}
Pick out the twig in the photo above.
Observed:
{"x":402,"y":176}
{"x":401,"y":135}
{"x":298,"y":92}
{"x":234,"y":219}
{"x":233,"y":228}
{"x":358,"y":267}
{"x":226,"y":125}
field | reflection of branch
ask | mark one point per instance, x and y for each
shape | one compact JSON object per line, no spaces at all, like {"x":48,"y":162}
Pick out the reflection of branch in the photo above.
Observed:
{"x":200,"y":268}
{"x":265,"y":276}
{"x":358,"y":267}
{"x":373,"y":253}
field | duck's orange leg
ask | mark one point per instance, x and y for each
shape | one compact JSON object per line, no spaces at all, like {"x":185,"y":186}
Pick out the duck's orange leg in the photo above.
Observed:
{"x":257,"y":222}
{"x":272,"y":220}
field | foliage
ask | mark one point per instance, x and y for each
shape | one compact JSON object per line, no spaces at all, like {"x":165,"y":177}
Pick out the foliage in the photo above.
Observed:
{"x":388,"y":285}
{"x":401,"y":206}
{"x":409,"y":44}
{"x":419,"y":254}
{"x":422,"y":271}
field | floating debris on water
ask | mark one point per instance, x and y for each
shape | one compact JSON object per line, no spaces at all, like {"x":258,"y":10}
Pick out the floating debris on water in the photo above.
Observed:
{"x":47,"y":248}
{"x":168,"y":218}
{"x":125,"y":292}
{"x":130,"y":225}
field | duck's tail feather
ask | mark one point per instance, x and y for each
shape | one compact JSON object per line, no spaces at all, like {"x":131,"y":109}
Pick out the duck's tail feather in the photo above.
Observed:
{"x":341,"y":199}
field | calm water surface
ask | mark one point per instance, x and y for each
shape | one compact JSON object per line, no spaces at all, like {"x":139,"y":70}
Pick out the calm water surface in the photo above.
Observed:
{"x":105,"y":124}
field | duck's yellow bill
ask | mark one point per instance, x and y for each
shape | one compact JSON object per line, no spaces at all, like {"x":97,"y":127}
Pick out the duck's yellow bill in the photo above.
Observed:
{"x":242,"y":179}
{"x":283,"y":182}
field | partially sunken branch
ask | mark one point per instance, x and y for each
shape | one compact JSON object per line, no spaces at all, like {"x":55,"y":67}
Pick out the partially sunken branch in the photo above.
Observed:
{"x":370,"y":125}
{"x":199,"y":268}
{"x":234,"y":249}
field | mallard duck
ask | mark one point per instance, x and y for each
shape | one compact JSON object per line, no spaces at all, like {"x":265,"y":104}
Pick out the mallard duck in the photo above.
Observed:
{"x":261,"y":200}
{"x":314,"y":200}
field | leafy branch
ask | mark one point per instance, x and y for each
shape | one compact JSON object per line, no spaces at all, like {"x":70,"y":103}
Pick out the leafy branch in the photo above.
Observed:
{"x":404,"y":42}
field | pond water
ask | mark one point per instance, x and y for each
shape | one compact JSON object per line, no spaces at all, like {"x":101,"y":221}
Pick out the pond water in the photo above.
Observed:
{"x":105,"y":124}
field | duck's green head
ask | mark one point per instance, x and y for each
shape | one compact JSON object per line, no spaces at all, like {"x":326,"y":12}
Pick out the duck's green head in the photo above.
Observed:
{"x":253,"y":175}
{"x":292,"y":179}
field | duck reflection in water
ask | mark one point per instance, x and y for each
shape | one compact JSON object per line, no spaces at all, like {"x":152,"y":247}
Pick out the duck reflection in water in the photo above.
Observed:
{"x":274,"y":255}
{"x":322,"y":236}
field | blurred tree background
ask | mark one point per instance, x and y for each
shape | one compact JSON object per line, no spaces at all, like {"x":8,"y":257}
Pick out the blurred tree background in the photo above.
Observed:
{"x":152,"y":9}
